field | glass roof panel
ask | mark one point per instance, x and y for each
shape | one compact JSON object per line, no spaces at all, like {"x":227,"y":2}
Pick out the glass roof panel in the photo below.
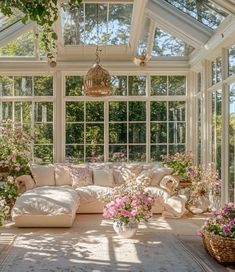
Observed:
{"x":79,"y":26}
{"x":6,"y":21}
{"x":167,"y":45}
{"x":202,"y":10}
{"x":23,"y":46}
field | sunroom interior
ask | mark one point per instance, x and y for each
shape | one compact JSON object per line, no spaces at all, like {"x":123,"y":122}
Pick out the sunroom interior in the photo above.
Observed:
{"x":172,"y":67}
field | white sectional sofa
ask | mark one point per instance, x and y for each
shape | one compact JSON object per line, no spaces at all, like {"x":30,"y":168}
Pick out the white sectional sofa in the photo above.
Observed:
{"x":55,"y":193}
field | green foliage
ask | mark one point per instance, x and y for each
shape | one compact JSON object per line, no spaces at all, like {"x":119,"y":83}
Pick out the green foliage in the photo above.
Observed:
{"x":15,"y":150}
{"x":43,"y":12}
{"x":179,"y":162}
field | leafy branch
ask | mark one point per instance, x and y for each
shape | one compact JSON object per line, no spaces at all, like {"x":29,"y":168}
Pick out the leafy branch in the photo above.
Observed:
{"x":44,"y":13}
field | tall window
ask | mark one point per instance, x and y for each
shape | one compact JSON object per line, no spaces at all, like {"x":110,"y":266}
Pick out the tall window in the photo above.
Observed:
{"x":216,"y":70}
{"x":231,"y":60}
{"x":28,"y":102}
{"x":216,"y":128}
{"x":115,"y":128}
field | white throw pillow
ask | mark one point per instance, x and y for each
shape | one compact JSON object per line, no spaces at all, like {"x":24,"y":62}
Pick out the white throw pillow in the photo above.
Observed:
{"x":103,"y":177}
{"x":145,"y":177}
{"x":62,"y":175}
{"x":121,"y":175}
{"x":81,"y":175}
{"x":159,"y":173}
{"x":44,"y":175}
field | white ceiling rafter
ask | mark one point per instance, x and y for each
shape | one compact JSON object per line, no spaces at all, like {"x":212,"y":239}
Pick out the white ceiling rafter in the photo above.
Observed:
{"x":226,"y":5}
{"x":178,"y":24}
{"x":137,"y":23}
{"x":14,"y":31}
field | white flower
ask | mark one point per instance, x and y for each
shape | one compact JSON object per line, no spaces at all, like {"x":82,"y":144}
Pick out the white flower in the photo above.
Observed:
{"x":10,"y":179}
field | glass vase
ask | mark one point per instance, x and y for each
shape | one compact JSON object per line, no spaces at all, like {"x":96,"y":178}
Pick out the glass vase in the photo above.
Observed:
{"x":125,"y":230}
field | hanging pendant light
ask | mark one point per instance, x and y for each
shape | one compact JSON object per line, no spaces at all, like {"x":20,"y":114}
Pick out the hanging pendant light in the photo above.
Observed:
{"x":97,"y":80}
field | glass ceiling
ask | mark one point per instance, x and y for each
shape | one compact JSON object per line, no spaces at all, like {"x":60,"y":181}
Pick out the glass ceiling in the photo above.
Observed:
{"x":6,"y":22}
{"x":79,"y":26}
{"x":202,"y":10}
{"x":167,"y":45}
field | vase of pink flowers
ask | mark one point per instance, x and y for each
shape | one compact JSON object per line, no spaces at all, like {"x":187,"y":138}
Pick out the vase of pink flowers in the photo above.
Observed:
{"x":127,"y":205}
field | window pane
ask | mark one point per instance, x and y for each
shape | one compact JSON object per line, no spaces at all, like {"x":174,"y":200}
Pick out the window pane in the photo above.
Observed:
{"x":74,"y":133}
{"x":137,"y":85}
{"x":231,"y":143}
{"x":94,"y":133}
{"x":23,"y":86}
{"x":117,"y":111}
{"x":43,"y":133}
{"x":43,"y":153}
{"x":74,"y":153}
{"x":137,"y":153}
{"x":119,"y":23}
{"x":94,"y":111}
{"x":23,"y":112}
{"x":176,"y":148}
{"x":157,"y":151}
{"x":6,"y":111}
{"x":73,"y":85}
{"x":165,"y":44}
{"x":177,"y":111}
{"x":177,"y":85}
{"x":95,"y":153}
{"x":43,"y":112}
{"x":137,"y":111}
{"x":117,"y":133}
{"x":6,"y":86}
{"x":72,"y":22}
{"x":137,"y":133}
{"x":43,"y":86}
{"x":231,"y":60}
{"x":176,"y":132}
{"x":74,"y":111}
{"x":159,"y":133}
{"x":158,"y":111}
{"x":158,"y":85}
{"x":118,"y":153}
{"x":119,"y":85}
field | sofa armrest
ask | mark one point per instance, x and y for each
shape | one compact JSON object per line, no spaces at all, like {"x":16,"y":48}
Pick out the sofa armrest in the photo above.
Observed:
{"x":169,"y":183}
{"x":25,"y":183}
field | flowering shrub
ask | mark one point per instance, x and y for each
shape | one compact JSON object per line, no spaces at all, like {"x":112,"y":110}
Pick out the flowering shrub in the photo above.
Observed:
{"x":128,"y":202}
{"x":204,"y":180}
{"x":179,"y":162}
{"x":15,"y":150}
{"x":4,"y":210}
{"x":222,"y":222}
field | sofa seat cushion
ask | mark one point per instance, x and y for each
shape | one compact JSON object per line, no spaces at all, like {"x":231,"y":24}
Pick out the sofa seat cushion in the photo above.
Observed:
{"x":91,"y":193}
{"x":47,"y":200}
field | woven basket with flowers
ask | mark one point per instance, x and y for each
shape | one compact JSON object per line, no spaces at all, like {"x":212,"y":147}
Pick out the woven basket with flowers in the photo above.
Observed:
{"x":218,"y":234}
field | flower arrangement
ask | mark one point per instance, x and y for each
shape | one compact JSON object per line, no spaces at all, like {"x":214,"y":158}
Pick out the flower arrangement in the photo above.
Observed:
{"x":179,"y":162}
{"x":129,"y":202}
{"x":15,"y":149}
{"x":204,"y":181}
{"x":222,"y":222}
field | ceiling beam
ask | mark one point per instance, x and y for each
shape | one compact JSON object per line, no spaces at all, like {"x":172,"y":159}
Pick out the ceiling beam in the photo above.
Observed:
{"x":14,"y":31}
{"x":178,"y":24}
{"x":227,"y":5}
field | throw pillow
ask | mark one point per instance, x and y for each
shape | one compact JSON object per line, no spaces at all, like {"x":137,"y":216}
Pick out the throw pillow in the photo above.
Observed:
{"x":44,"y":175}
{"x":159,"y":173}
{"x":81,"y":175}
{"x":103,"y":177}
{"x":62,"y":175}
{"x":145,"y":177}
{"x":121,"y":175}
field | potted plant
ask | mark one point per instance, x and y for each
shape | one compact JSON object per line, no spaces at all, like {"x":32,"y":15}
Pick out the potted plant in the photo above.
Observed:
{"x":127,"y":205}
{"x":218,"y":234}
{"x":179,"y":162}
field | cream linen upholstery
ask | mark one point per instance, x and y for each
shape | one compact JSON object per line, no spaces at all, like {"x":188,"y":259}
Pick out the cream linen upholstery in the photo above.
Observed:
{"x":50,"y":203}
{"x":62,"y":175}
{"x":44,"y":175}
{"x":158,"y":174}
{"x":103,"y":177}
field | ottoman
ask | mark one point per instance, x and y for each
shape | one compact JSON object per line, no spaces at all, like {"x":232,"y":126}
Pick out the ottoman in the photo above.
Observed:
{"x":46,"y":206}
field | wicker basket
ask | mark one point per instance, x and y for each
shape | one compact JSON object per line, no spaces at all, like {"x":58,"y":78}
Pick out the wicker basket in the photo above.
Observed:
{"x":221,"y":248}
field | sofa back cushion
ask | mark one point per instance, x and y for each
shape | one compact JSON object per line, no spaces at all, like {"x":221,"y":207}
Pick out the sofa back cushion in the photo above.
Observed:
{"x":80,"y":175}
{"x":159,"y":173}
{"x":103,"y":177}
{"x":44,"y":175}
{"x":62,"y":175}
